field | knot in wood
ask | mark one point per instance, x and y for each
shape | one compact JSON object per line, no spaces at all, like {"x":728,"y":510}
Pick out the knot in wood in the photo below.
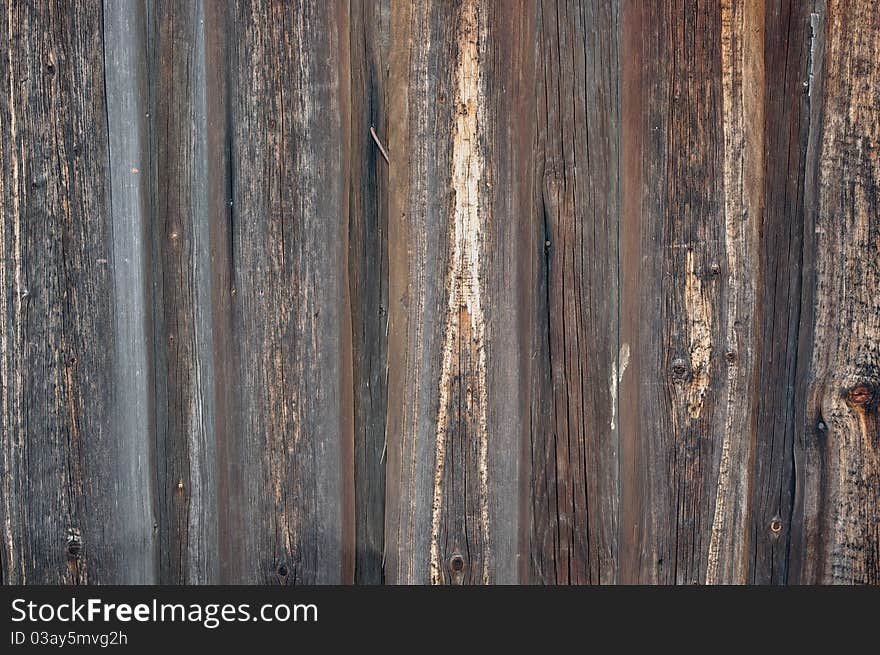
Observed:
{"x":456,"y":563}
{"x":679,"y":369}
{"x":775,"y":526}
{"x":862,"y":396}
{"x":74,"y":543}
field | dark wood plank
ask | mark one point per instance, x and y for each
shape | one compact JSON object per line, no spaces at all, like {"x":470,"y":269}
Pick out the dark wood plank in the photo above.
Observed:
{"x":76,"y":414}
{"x":368,"y":270}
{"x":573,"y":478}
{"x":288,"y":451}
{"x":837,"y":450}
{"x":187,"y":142}
{"x":460,"y":191}
{"x":784,"y":287}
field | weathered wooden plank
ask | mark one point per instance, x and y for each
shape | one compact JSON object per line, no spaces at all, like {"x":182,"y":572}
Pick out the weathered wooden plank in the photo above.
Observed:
{"x":75,"y":427}
{"x":288,"y":451}
{"x":575,"y":367}
{"x":743,"y":120}
{"x":784,"y":287}
{"x":368,"y":270}
{"x":129,"y":531}
{"x":837,"y":450}
{"x":459,"y":193}
{"x":691,"y":158}
{"x":186,"y":134}
{"x":600,"y":317}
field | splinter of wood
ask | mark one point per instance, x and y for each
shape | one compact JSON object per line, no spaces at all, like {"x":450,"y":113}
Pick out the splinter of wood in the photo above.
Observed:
{"x":379,"y":143}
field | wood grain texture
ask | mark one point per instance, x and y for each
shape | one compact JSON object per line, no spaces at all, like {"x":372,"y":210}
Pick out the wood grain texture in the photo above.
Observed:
{"x":837,"y":472}
{"x":288,"y":449}
{"x":407,"y":291}
{"x":456,"y":198}
{"x":784,"y":287}
{"x":76,"y":446}
{"x":692,"y":135}
{"x":188,"y":199}
{"x":368,"y":279}
{"x":577,"y":362}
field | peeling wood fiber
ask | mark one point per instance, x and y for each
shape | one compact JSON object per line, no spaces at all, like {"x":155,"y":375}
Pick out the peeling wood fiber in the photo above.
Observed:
{"x":419,"y":292}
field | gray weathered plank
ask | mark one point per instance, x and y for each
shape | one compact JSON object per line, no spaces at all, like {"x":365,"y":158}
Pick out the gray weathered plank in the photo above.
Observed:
{"x":75,"y":428}
{"x":187,"y":132}
{"x":288,"y":447}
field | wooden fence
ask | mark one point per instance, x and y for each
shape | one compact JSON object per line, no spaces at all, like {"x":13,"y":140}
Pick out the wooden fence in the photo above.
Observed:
{"x":609,"y":312}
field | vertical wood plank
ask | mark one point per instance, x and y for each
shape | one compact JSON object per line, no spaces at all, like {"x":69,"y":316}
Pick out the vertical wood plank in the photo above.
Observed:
{"x":784,"y":288}
{"x":288,"y":454}
{"x":130,"y":530}
{"x":743,"y":120}
{"x":838,"y":445}
{"x":77,"y":495}
{"x":458,"y":89}
{"x":188,"y":199}
{"x":691,"y":218}
{"x":368,"y":267}
{"x":573,"y":495}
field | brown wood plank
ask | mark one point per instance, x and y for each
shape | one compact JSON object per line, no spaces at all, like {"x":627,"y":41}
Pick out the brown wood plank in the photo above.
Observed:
{"x":691,"y":217}
{"x":575,"y":367}
{"x":459,"y":192}
{"x":784,"y":288}
{"x":837,"y":452}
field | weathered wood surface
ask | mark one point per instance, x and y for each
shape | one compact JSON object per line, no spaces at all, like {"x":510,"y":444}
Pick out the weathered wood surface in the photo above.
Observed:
{"x":608,"y":312}
{"x":575,"y":360}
